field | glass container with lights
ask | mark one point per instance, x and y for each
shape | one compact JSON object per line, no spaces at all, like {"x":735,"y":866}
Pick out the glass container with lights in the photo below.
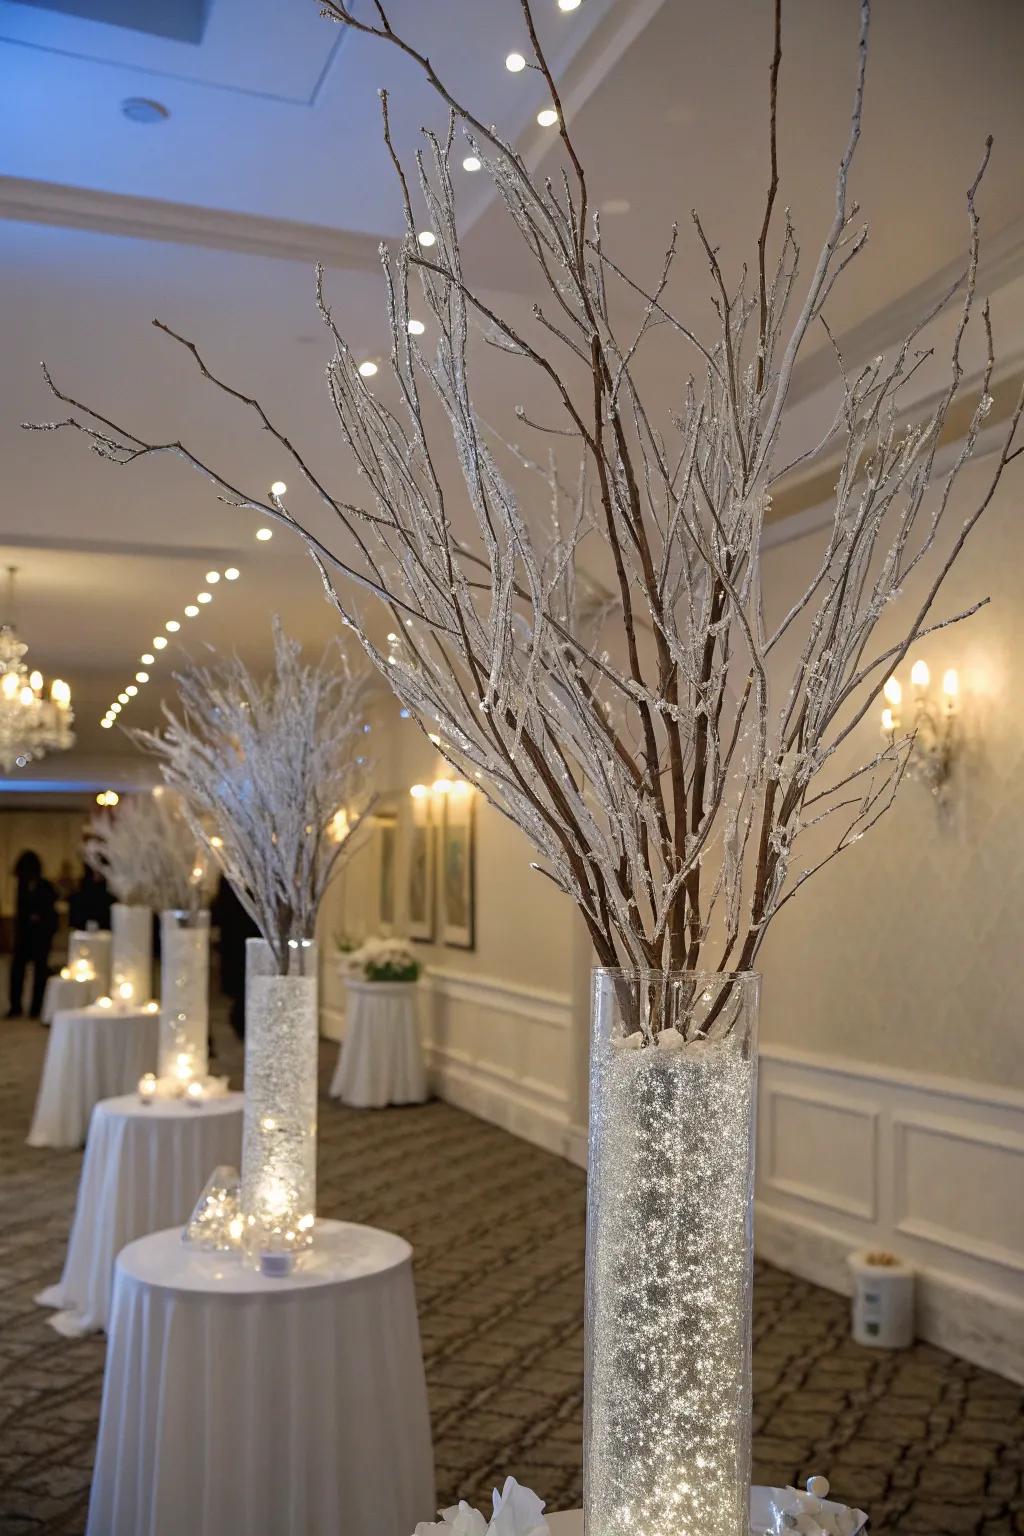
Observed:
{"x":184,"y":991}
{"x":131,"y":953}
{"x":278,"y":1191}
{"x":669,"y":1253}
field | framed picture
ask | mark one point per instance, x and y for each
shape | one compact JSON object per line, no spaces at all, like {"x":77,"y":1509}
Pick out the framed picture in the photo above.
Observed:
{"x":458,"y":871}
{"x":421,"y":872}
{"x":387,"y":832}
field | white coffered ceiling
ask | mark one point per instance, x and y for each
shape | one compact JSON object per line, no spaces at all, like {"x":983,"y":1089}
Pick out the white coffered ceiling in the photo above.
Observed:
{"x":271,"y":156}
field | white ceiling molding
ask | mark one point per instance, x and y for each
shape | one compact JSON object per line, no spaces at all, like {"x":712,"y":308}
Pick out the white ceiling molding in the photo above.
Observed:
{"x":1001,"y":261}
{"x":207,"y":554}
{"x":145,"y":218}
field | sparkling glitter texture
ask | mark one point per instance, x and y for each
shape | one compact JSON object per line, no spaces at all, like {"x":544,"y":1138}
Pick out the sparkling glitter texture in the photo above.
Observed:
{"x":184,"y":992}
{"x":131,"y":953}
{"x":279,"y":1125}
{"x":669,"y":1244}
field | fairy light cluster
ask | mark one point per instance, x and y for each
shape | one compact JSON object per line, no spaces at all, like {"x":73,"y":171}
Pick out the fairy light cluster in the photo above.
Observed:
{"x":150,"y":657}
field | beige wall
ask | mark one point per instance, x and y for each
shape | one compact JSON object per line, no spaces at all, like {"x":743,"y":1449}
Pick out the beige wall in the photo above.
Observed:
{"x":523,"y":924}
{"x":905,"y":951}
{"x":55,"y":835}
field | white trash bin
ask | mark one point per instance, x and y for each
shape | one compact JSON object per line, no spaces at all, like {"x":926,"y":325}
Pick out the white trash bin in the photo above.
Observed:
{"x":883,"y":1300}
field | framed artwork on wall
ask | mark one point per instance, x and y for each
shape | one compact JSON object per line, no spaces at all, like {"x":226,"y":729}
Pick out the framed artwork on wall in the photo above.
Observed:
{"x":458,"y":870}
{"x":387,"y":833}
{"x":421,"y":872}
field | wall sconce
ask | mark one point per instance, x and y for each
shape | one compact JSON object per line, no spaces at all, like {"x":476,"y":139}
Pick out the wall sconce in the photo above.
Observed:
{"x":934,"y":726}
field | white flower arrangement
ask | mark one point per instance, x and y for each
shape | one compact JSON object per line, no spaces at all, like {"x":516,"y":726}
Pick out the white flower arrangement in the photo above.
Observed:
{"x":516,"y":1512}
{"x":382,"y":959}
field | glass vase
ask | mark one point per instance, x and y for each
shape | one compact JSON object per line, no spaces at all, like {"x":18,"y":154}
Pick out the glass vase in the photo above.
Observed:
{"x":278,"y":1196}
{"x":131,"y":954}
{"x":184,"y":994}
{"x":669,"y":1254}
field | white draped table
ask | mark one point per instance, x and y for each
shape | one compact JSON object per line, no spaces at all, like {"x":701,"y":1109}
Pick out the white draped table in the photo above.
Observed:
{"x":92,"y":1053}
{"x":236,"y":1403}
{"x":381,"y":1059}
{"x":145,"y":1167}
{"x":63,"y":992}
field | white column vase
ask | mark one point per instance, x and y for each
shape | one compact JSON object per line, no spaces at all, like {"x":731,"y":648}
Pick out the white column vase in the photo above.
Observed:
{"x":669,"y":1254}
{"x":131,"y":954}
{"x":184,"y":993}
{"x":278,"y":1197}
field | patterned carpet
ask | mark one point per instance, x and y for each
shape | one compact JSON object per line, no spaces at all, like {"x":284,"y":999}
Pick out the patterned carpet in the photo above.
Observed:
{"x":928,"y":1444}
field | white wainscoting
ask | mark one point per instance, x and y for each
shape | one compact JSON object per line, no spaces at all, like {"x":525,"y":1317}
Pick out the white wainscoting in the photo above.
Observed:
{"x":853,"y":1156}
{"x":497,"y":1049}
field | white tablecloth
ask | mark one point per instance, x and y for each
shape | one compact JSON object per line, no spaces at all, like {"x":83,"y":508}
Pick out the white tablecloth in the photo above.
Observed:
{"x":234,"y":1405}
{"x":92,"y":1054}
{"x":62,"y":994}
{"x":145,"y":1167}
{"x":381,"y":1059}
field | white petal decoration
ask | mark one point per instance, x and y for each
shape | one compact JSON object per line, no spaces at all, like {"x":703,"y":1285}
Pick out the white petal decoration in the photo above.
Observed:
{"x":631,"y":1042}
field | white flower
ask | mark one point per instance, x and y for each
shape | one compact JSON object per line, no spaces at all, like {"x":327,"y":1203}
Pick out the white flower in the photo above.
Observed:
{"x":671,"y":1040}
{"x":458,"y":1521}
{"x":516,"y":1512}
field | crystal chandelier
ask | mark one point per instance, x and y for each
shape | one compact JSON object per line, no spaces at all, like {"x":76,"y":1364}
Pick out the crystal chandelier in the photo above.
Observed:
{"x":30,"y":723}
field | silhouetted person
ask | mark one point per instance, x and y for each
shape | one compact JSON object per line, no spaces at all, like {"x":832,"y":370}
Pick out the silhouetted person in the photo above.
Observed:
{"x":35,"y":923}
{"x":90,"y":904}
{"x":235,"y":924}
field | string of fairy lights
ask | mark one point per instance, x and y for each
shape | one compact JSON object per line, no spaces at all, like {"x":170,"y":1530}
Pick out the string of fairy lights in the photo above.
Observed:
{"x":150,"y":658}
{"x":547,"y":117}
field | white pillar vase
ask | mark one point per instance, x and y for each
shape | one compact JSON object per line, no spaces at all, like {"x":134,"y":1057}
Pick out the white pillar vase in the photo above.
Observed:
{"x":131,"y":954}
{"x":278,"y":1197}
{"x":184,"y":994}
{"x":669,"y":1254}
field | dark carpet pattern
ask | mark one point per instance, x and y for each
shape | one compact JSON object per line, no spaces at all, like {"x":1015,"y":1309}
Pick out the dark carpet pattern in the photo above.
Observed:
{"x":926,"y":1443}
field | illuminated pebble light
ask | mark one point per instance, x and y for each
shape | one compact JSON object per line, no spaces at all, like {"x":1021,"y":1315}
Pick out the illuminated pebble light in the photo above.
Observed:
{"x":668,"y":1279}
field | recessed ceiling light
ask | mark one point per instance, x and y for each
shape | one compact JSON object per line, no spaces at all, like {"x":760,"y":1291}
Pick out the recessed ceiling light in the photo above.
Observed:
{"x":131,"y":690}
{"x":426,"y":238}
{"x":367,"y":369}
{"x":232,"y":573}
{"x":263,"y":534}
{"x":515,"y":63}
{"x":123,"y":698}
{"x":472,"y":163}
{"x":159,"y":642}
{"x":147,"y":658}
{"x":191,"y":611}
{"x":172,"y":626}
{"x":547,"y":117}
{"x":204,"y":597}
{"x":416,"y":327}
{"x":107,"y":724}
{"x":277,"y":489}
{"x":142,"y":677}
{"x":143,"y":109}
{"x":568,"y":5}
{"x":213,"y":577}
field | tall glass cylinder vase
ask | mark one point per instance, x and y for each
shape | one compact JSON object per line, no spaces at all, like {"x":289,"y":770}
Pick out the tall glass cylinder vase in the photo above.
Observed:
{"x":669,"y":1254}
{"x":184,"y":994}
{"x":131,"y":954}
{"x":278,"y":1195}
